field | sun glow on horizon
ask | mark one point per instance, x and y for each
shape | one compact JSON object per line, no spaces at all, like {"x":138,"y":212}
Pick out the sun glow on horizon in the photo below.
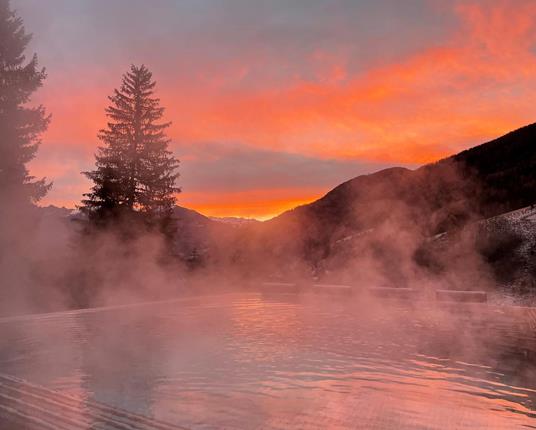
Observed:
{"x":261,"y":210}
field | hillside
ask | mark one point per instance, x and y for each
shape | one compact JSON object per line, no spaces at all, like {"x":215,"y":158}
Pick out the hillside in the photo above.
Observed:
{"x":505,"y":244}
{"x":489,"y":179}
{"x":397,"y":209}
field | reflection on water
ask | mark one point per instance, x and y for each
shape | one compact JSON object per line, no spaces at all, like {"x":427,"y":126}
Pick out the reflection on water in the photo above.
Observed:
{"x":251,"y":361}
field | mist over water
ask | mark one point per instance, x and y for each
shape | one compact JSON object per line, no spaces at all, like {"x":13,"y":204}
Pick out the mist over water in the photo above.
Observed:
{"x":250,"y":360}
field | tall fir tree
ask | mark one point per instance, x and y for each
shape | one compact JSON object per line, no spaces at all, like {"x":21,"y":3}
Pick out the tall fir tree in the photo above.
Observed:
{"x":135,"y":171}
{"x":20,"y":125}
{"x":22,"y":267}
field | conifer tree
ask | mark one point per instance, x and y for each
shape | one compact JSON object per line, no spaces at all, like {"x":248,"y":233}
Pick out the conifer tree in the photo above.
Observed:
{"x":135,"y":171}
{"x":20,"y":125}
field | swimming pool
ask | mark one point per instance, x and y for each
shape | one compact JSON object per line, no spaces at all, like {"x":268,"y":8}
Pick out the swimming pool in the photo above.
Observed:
{"x":278,"y":361}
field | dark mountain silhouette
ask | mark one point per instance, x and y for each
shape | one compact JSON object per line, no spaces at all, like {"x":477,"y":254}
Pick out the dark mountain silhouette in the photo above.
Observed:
{"x":187,"y":216}
{"x":505,"y":169}
{"x":484,"y":181}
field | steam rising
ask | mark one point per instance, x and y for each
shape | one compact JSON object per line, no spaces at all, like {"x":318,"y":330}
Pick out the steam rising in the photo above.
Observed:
{"x":402,"y":228}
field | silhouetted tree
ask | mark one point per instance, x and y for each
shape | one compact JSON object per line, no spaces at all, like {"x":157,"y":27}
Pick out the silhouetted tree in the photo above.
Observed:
{"x":24,"y":273}
{"x":136,"y":172}
{"x":20,"y":125}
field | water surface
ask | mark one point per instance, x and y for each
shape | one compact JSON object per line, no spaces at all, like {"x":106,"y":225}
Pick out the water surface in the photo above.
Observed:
{"x":247,"y":361}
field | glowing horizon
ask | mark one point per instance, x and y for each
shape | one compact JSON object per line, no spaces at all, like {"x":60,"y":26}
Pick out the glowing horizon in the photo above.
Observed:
{"x":274,"y":105}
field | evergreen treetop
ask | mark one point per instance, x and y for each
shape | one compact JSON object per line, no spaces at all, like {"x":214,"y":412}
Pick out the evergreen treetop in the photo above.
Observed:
{"x":135,"y":171}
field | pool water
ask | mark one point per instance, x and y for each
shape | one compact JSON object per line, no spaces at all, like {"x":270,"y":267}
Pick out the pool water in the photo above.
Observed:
{"x":251,"y":361}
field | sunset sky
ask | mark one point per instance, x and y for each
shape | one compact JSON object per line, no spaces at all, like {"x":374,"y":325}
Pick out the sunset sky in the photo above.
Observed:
{"x":275,"y":102}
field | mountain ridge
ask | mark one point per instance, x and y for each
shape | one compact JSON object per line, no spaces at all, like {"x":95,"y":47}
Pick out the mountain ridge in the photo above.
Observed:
{"x":487,"y":159}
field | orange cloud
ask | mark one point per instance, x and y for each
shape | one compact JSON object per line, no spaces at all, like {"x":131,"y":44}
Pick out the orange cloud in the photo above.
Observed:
{"x":478,"y":83}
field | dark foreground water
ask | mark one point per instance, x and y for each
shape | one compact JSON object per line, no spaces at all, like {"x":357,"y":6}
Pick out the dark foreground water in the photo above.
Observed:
{"x":249,"y":361}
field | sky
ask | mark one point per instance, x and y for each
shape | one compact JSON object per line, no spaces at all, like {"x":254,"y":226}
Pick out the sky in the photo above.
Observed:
{"x":273,"y":103}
